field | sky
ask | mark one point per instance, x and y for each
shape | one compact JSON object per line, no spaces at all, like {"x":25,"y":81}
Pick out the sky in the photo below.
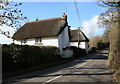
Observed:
{"x":88,"y":11}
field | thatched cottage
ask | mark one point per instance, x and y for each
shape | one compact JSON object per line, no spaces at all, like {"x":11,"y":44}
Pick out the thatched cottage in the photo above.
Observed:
{"x":49,"y":32}
{"x":78,"y":39}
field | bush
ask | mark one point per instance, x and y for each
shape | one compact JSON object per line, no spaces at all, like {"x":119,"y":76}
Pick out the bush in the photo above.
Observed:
{"x":78,"y":52}
{"x":15,"y":57}
{"x":92,"y":49}
{"x":102,"y":45}
{"x":110,"y":58}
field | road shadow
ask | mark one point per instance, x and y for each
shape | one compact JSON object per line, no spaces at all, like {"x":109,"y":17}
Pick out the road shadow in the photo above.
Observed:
{"x":104,"y":53}
{"x":84,"y":74}
{"x":98,"y":55}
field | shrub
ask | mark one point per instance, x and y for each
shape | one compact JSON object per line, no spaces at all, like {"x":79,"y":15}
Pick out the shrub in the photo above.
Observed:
{"x":110,"y":58}
{"x":78,"y":52}
{"x":92,"y":49}
{"x":15,"y":57}
{"x":117,"y":75}
{"x":81,"y":52}
{"x":102,"y":45}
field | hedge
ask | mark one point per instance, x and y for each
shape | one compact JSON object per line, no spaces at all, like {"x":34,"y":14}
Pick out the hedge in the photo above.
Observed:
{"x":102,"y":45}
{"x":78,"y":52}
{"x":15,"y":57}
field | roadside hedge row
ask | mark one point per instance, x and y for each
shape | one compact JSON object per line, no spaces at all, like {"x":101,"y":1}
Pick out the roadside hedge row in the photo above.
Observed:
{"x":78,"y":52}
{"x":102,"y":45}
{"x":15,"y":57}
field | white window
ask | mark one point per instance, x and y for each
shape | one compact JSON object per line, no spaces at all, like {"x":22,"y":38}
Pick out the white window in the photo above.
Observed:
{"x":24,"y":41}
{"x":38,"y":40}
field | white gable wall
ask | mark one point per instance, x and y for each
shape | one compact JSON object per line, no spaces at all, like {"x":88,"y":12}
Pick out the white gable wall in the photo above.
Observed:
{"x":63,"y":40}
{"x":84,"y":45}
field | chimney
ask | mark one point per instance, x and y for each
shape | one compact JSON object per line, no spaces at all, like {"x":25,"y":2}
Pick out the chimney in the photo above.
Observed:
{"x":64,"y":16}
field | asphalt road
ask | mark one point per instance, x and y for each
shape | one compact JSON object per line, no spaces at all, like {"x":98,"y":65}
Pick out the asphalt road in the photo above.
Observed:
{"x":92,"y":69}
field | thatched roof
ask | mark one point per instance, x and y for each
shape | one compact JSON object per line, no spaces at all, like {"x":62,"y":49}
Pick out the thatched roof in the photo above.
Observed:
{"x":41,"y":28}
{"x":74,"y":34}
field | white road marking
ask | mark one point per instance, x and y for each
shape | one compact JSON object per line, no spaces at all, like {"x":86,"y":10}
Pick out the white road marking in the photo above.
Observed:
{"x":83,"y":64}
{"x":75,"y":68}
{"x":80,"y":65}
{"x":52,"y":79}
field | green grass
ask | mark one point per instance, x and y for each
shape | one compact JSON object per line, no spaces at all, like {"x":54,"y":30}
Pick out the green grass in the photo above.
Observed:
{"x":110,"y":57}
{"x":32,"y":69}
{"x":119,"y":80}
{"x":118,"y":76}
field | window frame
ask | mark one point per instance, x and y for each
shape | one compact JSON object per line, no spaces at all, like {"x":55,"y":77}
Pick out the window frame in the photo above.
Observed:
{"x":38,"y":40}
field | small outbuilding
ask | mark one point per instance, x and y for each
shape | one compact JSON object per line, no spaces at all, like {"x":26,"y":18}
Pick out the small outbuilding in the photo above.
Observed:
{"x":79,"y":39}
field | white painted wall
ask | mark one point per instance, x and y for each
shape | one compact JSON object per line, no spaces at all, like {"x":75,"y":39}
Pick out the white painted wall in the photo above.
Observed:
{"x":51,"y":41}
{"x":83,"y":45}
{"x":67,"y":53}
{"x":63,"y":40}
{"x":18,"y":42}
{"x":74,"y":44}
{"x":87,"y":47}
{"x":29,"y":42}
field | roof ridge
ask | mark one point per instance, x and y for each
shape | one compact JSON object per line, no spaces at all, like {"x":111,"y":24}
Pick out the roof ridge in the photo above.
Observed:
{"x":44,"y":20}
{"x":44,"y":28}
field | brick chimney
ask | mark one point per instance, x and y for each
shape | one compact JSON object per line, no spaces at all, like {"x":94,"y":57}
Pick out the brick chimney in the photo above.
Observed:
{"x":64,"y":16}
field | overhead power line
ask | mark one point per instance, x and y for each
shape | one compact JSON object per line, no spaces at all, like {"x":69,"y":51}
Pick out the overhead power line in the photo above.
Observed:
{"x":78,"y":13}
{"x":66,"y":8}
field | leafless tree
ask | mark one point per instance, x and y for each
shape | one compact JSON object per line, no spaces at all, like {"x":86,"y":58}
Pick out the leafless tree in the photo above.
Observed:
{"x":111,"y":20}
{"x":10,"y":15}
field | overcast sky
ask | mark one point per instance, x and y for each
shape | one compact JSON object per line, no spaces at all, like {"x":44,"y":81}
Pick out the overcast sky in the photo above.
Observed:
{"x":89,"y":12}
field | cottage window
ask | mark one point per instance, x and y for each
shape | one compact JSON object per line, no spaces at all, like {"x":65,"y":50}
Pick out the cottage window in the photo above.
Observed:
{"x":25,"y":41}
{"x":38,"y":40}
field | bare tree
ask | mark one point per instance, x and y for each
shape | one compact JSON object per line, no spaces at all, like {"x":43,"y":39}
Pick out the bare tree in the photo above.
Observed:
{"x":10,"y":15}
{"x":110,"y":3}
{"x":111,"y":20}
{"x":111,"y":15}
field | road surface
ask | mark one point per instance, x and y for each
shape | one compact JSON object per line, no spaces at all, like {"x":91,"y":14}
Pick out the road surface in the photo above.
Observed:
{"x":92,"y":69}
